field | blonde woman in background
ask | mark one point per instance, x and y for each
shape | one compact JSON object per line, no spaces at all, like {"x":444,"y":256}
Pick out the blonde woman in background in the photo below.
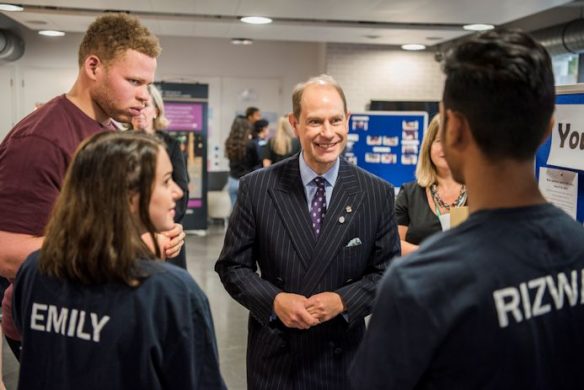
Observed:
{"x":282,"y":145}
{"x":421,"y":202}
{"x":151,"y":121}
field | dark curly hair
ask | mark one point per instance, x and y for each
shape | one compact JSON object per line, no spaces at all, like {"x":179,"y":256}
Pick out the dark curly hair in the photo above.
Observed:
{"x":503,"y":83}
{"x":239,"y":137}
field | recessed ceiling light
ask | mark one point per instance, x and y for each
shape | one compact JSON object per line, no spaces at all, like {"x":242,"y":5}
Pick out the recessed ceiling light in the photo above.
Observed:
{"x":10,"y":7}
{"x":256,"y":20}
{"x":478,"y":27}
{"x":51,"y":33}
{"x":241,"y":41}
{"x":413,"y":47}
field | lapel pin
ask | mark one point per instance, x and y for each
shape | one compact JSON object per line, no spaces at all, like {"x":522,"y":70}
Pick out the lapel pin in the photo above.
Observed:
{"x":341,"y":219}
{"x":348,"y":209}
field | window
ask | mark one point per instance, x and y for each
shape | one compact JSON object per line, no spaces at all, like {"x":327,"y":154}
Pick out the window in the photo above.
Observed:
{"x":565,"y":68}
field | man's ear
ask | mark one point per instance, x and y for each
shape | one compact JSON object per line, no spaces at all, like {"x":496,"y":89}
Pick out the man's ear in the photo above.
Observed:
{"x":548,"y":130}
{"x":457,"y":131}
{"x":293,"y":122}
{"x":92,"y":66}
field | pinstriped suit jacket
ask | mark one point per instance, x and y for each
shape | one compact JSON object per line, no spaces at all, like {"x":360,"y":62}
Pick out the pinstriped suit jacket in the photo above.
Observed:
{"x":270,"y":230}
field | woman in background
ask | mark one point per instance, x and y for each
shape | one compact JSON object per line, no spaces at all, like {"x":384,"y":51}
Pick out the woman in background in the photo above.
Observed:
{"x":420,"y":203}
{"x":240,"y":150}
{"x":95,"y":307}
{"x":282,"y":145}
{"x":151,"y":121}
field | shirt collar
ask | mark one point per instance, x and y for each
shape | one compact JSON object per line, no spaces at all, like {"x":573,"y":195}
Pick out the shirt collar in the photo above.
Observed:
{"x":111,"y":124}
{"x":307,"y":174}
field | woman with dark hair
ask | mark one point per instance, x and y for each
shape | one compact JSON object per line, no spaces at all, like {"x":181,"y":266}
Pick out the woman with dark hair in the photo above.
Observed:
{"x":95,"y":307}
{"x":240,"y":150}
{"x":151,"y":121}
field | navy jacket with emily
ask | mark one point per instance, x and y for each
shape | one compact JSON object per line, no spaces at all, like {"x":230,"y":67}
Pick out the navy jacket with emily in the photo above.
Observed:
{"x":270,"y":230}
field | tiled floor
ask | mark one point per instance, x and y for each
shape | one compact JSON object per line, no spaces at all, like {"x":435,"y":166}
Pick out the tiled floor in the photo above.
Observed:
{"x":230,"y":318}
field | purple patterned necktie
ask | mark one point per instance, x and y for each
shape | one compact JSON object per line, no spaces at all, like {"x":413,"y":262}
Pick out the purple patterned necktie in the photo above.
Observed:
{"x":318,"y":205}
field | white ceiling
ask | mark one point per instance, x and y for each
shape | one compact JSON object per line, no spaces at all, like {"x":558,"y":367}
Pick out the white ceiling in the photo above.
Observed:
{"x":389,"y":22}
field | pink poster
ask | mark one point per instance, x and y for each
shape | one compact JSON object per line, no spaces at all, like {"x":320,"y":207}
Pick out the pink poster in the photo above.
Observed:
{"x":184,"y":116}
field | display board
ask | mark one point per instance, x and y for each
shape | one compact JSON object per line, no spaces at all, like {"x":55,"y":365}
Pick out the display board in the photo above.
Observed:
{"x":559,"y":161}
{"x":186,"y":108}
{"x":386,"y":143}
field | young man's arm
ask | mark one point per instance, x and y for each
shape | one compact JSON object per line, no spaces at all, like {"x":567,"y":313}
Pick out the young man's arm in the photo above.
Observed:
{"x":14,"y":249}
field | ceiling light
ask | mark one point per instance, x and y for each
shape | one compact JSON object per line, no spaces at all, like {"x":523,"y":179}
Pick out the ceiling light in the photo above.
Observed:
{"x":478,"y":27}
{"x":241,"y":41}
{"x":51,"y":33}
{"x":413,"y":47}
{"x":10,"y":7}
{"x":256,"y":20}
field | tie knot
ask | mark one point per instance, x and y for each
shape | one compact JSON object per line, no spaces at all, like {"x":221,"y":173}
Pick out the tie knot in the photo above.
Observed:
{"x":319,"y":181}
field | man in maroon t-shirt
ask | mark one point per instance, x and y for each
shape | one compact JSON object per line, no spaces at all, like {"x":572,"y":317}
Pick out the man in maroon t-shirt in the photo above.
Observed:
{"x":117,"y":61}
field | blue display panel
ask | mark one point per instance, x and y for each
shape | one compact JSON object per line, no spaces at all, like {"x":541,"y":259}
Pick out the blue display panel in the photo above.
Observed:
{"x":386,"y":144}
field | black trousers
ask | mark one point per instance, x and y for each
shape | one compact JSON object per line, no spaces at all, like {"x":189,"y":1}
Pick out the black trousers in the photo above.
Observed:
{"x":14,"y":347}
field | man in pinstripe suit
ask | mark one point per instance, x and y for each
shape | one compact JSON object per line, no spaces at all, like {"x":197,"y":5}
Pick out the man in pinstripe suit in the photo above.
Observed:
{"x":320,"y":245}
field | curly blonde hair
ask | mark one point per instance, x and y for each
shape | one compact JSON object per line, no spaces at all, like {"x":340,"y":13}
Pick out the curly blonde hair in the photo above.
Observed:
{"x":111,"y":35}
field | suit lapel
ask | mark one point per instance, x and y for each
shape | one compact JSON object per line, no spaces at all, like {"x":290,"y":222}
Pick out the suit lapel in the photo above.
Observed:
{"x":347,"y":195}
{"x":290,"y":202}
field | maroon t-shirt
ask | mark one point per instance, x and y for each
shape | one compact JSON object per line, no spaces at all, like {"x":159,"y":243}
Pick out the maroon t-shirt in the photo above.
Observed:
{"x":34,"y":157}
